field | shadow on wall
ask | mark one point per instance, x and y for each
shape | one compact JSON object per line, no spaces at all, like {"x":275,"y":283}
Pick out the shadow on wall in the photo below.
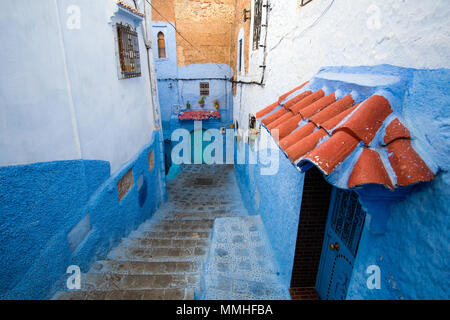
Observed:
{"x":277,"y":199}
{"x":66,"y":213}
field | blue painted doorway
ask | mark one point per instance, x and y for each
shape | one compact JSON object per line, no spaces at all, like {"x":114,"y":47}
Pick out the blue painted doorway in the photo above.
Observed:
{"x":342,"y":234}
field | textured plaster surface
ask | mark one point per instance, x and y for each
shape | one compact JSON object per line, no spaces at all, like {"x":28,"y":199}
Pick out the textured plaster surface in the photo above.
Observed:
{"x":277,"y":199}
{"x":41,"y":203}
{"x":411,"y":253}
{"x":409,"y":34}
{"x":62,"y":99}
{"x":241,"y":263}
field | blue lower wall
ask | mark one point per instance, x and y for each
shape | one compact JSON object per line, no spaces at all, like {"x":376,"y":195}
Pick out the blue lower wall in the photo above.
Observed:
{"x":41,"y":203}
{"x":413,"y":254}
{"x":277,"y":199}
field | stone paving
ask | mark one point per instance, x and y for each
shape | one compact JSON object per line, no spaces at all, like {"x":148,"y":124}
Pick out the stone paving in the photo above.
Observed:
{"x":241,"y":264}
{"x":164,"y":258}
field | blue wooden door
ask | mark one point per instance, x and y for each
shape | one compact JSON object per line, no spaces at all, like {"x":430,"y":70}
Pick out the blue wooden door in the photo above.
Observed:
{"x":343,"y":232}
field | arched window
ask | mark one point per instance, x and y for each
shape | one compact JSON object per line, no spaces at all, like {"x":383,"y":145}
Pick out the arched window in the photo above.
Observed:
{"x":161,"y":46}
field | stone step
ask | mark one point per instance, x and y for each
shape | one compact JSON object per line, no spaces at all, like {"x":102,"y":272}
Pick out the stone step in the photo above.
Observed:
{"x":178,"y":225}
{"x":152,"y":294}
{"x":161,"y":243}
{"x":157,"y":254}
{"x":244,"y":290}
{"x":112,"y":282}
{"x":145,"y":268}
{"x":170,"y":235}
{"x":183,"y":215}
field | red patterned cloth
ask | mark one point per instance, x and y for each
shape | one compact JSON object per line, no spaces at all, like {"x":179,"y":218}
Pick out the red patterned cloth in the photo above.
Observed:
{"x":199,"y":115}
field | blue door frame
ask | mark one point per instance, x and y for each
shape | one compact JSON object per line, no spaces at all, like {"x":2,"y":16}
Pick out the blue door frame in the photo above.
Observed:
{"x":342,"y":234}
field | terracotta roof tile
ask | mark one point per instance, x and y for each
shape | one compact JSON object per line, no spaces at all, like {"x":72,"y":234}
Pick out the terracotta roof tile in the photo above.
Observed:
{"x":285,"y":128}
{"x":407,"y":164}
{"x":287,"y":94}
{"x":332,"y":152}
{"x":297,"y":135}
{"x":396,"y":130}
{"x":288,"y":104}
{"x":368,"y":118}
{"x":317,"y":106}
{"x":274,"y":116}
{"x":280,"y":120}
{"x":333,"y":110}
{"x":369,"y":169}
{"x":267,"y":110}
{"x":305,"y":145}
{"x":317,"y":128}
{"x":307,"y":101}
{"x":333,"y":122}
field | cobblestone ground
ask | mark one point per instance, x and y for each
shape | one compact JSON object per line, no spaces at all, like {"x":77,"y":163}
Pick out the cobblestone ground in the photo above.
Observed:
{"x":164,"y":258}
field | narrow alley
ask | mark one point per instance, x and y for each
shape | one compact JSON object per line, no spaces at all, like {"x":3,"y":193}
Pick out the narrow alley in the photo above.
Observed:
{"x":165,"y":257}
{"x":224,"y":150}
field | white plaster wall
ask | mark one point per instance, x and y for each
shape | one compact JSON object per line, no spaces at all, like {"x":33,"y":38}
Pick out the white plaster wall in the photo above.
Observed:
{"x":61,"y":98}
{"x":35,"y":102}
{"x":301,"y":40}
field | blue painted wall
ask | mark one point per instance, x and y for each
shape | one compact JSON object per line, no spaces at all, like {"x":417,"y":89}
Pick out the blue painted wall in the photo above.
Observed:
{"x":41,"y":203}
{"x":414,"y":253}
{"x":277,"y":199}
{"x":178,"y":86}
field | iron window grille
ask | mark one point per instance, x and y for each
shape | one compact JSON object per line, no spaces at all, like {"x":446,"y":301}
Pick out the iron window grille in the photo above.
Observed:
{"x":129,"y":56}
{"x":257,"y":23}
{"x":204,"y":89}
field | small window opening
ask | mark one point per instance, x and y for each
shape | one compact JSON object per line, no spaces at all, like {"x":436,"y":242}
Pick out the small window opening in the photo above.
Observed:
{"x":251,"y":121}
{"x":257,"y":18}
{"x":161,"y":46}
{"x":129,"y":55}
{"x":240,"y":56}
{"x":204,"y":89}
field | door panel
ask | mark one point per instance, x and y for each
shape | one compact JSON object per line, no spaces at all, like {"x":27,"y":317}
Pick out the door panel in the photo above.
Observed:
{"x":343,"y":232}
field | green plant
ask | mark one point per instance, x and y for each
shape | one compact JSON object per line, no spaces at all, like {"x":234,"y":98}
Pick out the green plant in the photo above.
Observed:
{"x":202,"y":101}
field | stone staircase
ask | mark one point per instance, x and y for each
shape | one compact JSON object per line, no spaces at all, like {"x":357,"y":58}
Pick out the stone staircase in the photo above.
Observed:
{"x":241,"y":264}
{"x":163,"y":259}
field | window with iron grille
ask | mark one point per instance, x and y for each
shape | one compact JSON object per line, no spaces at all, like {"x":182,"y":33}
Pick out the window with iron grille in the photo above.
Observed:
{"x":257,"y":17}
{"x":129,"y":56}
{"x":204,"y":89}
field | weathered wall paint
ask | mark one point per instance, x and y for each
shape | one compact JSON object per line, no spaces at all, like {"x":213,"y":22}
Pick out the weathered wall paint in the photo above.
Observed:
{"x":409,"y":34}
{"x":41,"y":203}
{"x":412,"y":254}
{"x":178,"y":86}
{"x":207,"y":25}
{"x":277,"y":199}
{"x":69,"y":130}
{"x":62,"y":99}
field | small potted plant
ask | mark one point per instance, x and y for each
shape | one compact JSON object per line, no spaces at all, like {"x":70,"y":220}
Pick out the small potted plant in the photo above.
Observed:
{"x":254,"y":134}
{"x":217,"y":104}
{"x":201,"y":102}
{"x":188,"y":105}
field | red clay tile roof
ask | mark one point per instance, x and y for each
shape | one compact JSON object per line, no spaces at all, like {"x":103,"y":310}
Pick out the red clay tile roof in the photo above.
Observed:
{"x":130,"y":8}
{"x":329,"y":131}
